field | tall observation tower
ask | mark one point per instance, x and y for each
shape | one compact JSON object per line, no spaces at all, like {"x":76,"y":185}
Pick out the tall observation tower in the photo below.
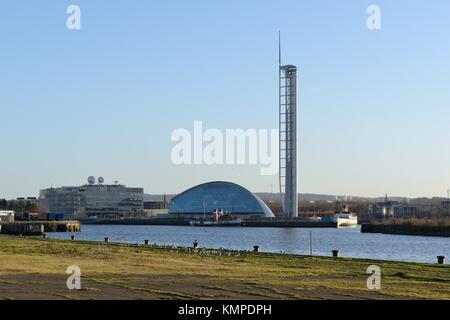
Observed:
{"x":288,"y":136}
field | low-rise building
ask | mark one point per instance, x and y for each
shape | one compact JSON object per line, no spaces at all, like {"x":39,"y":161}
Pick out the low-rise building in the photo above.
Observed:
{"x":394,"y":209}
{"x":7,"y":216}
{"x":155,"y":205}
{"x":32,"y":200}
{"x":93,"y":200}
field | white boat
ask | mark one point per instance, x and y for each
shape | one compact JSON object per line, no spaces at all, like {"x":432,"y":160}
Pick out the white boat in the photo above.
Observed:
{"x":345,"y":219}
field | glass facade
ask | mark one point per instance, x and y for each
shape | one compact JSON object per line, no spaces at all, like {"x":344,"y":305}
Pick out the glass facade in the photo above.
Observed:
{"x":218,"y":195}
{"x":93,"y":200}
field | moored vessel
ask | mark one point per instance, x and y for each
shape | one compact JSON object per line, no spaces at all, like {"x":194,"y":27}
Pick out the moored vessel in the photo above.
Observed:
{"x":345,"y":219}
{"x":218,"y":219}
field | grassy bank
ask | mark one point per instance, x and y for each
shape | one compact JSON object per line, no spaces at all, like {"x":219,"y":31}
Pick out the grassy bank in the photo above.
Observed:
{"x":35,"y":268}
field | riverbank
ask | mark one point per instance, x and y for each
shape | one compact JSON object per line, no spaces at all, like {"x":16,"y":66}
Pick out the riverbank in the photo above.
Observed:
{"x":411,"y":227}
{"x":35,"y":268}
{"x":262,"y":222}
{"x":35,"y":228}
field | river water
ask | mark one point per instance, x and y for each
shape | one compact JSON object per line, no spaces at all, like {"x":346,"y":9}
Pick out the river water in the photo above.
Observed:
{"x":349,"y":242}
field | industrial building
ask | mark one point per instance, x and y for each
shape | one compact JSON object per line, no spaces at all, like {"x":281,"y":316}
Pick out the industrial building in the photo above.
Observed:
{"x":231,"y":198}
{"x":93,"y":200}
{"x":393,"y":209}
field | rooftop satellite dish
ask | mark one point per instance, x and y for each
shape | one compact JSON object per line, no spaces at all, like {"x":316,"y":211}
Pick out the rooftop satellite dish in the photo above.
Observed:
{"x":100,"y":180}
{"x":91,"y":180}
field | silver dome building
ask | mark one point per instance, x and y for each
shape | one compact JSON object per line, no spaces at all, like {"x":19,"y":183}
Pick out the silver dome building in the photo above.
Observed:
{"x":228,"y":197}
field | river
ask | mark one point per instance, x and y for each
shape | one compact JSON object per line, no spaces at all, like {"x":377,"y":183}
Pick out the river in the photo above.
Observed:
{"x":349,"y":242}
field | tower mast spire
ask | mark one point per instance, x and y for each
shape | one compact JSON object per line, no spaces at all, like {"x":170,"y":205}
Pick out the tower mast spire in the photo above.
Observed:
{"x":279,"y":48}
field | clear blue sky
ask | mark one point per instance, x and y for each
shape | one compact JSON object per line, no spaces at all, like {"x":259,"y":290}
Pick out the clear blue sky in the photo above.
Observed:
{"x":374,"y":106}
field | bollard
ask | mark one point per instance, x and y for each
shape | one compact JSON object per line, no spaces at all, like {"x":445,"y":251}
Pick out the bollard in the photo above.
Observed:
{"x":441,"y":259}
{"x":335,"y":253}
{"x":195,"y":244}
{"x":255,"y":248}
{"x":72,"y":237}
{"x":146,"y":242}
{"x":106,"y":239}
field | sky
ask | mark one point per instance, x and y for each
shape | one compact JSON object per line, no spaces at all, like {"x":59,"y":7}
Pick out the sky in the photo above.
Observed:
{"x":374,"y":105}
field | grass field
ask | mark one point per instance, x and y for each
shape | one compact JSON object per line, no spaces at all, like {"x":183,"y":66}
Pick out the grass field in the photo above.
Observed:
{"x":33,"y":268}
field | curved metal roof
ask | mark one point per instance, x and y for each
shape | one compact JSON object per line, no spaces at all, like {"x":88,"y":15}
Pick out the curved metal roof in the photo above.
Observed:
{"x":227,"y":196}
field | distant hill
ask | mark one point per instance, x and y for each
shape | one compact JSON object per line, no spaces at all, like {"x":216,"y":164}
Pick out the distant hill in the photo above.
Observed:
{"x":311,"y":197}
{"x":267,"y":196}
